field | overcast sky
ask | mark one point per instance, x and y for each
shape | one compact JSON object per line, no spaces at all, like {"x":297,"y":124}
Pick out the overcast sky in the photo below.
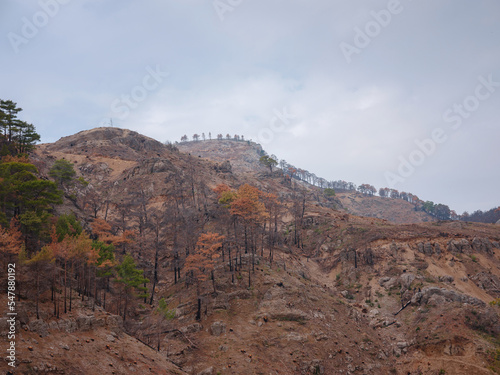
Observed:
{"x":392,"y":93}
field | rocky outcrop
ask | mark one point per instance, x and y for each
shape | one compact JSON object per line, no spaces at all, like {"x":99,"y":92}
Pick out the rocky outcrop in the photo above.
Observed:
{"x":152,"y":166}
{"x":490,"y":283}
{"x":100,"y":169}
{"x":404,"y":281}
{"x":461,"y":246}
{"x":425,"y":248}
{"x":437,"y":296}
{"x":458,"y":246}
{"x":446,"y":279}
{"x":482,"y":245}
{"x":217,"y":328}
{"x":428,"y":248}
{"x":80,"y":323}
{"x":223,"y":167}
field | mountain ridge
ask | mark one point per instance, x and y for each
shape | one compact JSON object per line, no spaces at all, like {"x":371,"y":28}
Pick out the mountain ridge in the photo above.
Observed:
{"x":324,"y":290}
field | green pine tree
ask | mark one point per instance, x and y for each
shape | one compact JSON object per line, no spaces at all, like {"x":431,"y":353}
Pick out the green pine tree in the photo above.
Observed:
{"x":62,"y":172}
{"x":132,"y":280}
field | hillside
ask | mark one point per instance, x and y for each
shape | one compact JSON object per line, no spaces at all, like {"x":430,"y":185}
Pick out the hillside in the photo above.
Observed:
{"x":394,"y":210}
{"x":301,"y":287}
{"x":243,"y":155}
{"x":85,"y":341}
{"x":244,"y":158}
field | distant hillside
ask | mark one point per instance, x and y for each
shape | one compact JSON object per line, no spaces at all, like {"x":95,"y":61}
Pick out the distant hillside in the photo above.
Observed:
{"x":395,"y":210}
{"x":243,"y":155}
{"x":244,"y":158}
{"x":112,"y":142}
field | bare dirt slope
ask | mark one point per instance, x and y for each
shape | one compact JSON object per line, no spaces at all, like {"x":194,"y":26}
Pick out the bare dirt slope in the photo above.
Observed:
{"x":81,"y":342}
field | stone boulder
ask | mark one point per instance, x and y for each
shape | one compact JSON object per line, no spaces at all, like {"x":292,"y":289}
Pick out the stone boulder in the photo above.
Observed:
{"x":218,"y":328}
{"x":446,"y":279}
{"x":388,"y":282}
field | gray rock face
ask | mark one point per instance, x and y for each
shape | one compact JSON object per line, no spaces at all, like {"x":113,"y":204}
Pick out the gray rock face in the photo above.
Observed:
{"x":425,"y":248}
{"x":436,"y":296}
{"x":153,"y":166}
{"x":388,"y":282}
{"x":40,"y":327}
{"x":218,"y":328}
{"x":80,"y":323}
{"x":67,"y":325}
{"x":437,"y":248}
{"x":482,"y":245}
{"x":428,"y":248}
{"x":459,"y":246}
{"x":84,"y":323}
{"x":406,"y":279}
{"x":488,"y":282}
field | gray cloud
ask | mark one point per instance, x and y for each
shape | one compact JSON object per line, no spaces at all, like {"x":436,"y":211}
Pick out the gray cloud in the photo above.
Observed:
{"x":352,"y":120}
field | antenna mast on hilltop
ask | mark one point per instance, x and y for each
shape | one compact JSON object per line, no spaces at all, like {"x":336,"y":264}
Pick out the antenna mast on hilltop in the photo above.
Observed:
{"x":110,"y":122}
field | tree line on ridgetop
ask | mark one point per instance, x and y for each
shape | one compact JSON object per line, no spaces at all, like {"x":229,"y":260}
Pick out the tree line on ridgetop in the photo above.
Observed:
{"x":220,"y":137}
{"x":438,"y":210}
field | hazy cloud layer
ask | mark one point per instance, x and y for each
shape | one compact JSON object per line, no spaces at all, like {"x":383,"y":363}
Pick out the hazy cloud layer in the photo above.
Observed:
{"x":366,"y":82}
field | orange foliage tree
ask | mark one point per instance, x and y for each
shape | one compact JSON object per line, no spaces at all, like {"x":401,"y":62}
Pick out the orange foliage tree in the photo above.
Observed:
{"x":75,"y":251}
{"x":201,"y":263}
{"x":248,"y":207}
{"x":11,"y":241}
{"x":103,"y":230}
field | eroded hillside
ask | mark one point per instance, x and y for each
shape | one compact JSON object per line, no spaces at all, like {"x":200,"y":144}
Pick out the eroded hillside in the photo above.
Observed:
{"x":304,"y":289}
